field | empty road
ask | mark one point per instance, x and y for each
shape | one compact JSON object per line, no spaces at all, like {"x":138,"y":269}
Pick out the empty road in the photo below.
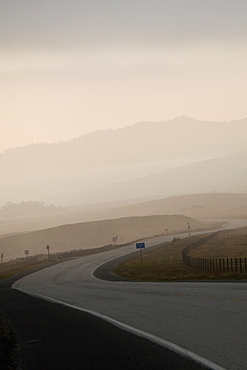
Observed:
{"x":201,"y":319}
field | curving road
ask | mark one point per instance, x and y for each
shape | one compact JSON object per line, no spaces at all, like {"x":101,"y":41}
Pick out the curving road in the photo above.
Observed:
{"x":205,"y":321}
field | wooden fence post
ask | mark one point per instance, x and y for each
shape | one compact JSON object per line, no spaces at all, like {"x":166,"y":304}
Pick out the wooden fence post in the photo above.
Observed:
{"x":211,"y":264}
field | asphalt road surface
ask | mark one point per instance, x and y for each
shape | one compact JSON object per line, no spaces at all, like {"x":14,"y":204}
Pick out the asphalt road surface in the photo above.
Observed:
{"x":52,"y":336}
{"x":203,"y":321}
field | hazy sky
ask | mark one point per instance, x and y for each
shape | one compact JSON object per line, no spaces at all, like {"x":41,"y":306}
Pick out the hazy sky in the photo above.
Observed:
{"x":72,"y":66}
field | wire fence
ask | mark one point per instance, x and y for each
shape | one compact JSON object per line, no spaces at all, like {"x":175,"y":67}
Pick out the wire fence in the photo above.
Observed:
{"x":230,"y":265}
{"x":234,"y":265}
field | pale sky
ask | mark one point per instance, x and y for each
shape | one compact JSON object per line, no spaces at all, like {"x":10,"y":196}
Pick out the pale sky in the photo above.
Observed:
{"x":68,"y":67}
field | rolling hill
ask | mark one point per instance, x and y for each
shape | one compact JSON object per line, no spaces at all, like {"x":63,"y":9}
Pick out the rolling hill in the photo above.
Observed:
{"x":226,"y":175}
{"x":199,"y":206}
{"x":92,"y":234}
{"x":65,"y":173}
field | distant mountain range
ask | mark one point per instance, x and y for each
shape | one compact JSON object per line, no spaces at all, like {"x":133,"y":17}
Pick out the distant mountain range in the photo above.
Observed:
{"x":227,"y":175}
{"x":148,"y":159}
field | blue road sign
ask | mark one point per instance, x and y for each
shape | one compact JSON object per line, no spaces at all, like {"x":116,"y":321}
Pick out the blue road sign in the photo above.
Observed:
{"x":140,"y":245}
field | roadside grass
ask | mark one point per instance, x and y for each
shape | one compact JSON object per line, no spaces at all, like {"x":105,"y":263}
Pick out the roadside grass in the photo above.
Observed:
{"x":229,"y":244}
{"x":160,"y":265}
{"x":19,"y":268}
{"x":165,"y":263}
{"x":10,"y":269}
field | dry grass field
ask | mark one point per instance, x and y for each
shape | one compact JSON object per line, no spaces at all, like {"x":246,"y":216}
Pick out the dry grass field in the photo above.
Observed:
{"x":87,"y":235}
{"x":7,"y":271}
{"x":162,"y":264}
{"x":165,"y":263}
{"x":31,"y":264}
{"x":227,"y":244}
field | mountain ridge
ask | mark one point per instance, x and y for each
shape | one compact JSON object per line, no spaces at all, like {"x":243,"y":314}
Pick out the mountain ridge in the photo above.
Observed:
{"x":223,"y":174}
{"x":50,"y":171}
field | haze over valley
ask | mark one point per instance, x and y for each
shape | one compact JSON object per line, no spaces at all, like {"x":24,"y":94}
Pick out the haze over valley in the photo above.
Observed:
{"x":121,"y":109}
{"x":78,"y":182}
{"x":148,"y":159}
{"x":123,"y":126}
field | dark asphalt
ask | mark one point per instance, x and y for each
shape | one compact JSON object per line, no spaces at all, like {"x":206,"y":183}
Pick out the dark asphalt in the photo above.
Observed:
{"x":104,"y":271}
{"x":53,"y":336}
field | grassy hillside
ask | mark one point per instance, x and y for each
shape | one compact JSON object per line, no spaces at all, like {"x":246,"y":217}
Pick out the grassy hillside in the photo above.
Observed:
{"x":199,"y":206}
{"x":204,"y":206}
{"x":165,"y":263}
{"x":93,"y":234}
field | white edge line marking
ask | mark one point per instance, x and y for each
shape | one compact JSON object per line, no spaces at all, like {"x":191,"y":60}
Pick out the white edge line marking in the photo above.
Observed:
{"x":123,"y":255}
{"x":152,"y":338}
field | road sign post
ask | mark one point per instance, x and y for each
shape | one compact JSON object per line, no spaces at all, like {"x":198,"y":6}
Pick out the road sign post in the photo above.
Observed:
{"x":140,"y":246}
{"x":114,"y":240}
{"x":26,"y":253}
{"x":48,"y":251}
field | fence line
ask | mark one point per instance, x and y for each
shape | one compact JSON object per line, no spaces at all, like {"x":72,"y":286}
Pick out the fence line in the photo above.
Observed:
{"x":233,"y":265}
